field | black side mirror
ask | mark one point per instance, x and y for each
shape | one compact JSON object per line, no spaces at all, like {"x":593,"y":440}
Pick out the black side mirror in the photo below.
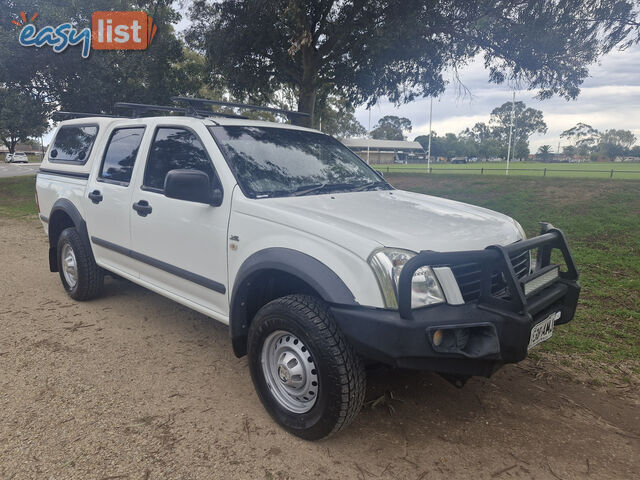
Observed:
{"x":192,"y":186}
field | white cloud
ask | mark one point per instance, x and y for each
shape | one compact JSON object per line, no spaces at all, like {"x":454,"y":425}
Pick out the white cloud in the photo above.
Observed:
{"x":609,"y":98}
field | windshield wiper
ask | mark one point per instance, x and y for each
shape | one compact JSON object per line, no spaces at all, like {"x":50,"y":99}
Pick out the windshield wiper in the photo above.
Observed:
{"x":305,"y":189}
{"x":368,"y":185}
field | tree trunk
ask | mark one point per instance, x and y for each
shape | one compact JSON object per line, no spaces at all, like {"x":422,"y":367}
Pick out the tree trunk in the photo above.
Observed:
{"x":307,"y":93}
{"x":306,"y":104}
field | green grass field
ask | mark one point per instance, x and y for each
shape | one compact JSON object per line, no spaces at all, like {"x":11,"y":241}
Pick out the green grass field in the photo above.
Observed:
{"x":591,"y":170}
{"x":600,"y":218}
{"x":17,"y":196}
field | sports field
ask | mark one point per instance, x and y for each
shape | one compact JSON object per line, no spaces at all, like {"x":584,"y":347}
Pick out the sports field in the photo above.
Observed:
{"x":595,"y":170}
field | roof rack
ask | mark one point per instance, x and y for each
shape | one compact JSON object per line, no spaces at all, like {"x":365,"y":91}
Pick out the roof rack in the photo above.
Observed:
{"x":62,"y":114}
{"x":139,"y":108}
{"x":195,"y":102}
{"x":194,"y":107}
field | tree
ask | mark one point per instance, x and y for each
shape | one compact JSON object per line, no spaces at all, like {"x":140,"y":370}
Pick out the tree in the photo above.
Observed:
{"x":399,"y":50}
{"x":93,"y":84}
{"x":570,"y":151}
{"x":338,"y":119}
{"x":21,"y":116}
{"x":624,"y":139}
{"x":583,"y":136}
{"x":391,"y":127}
{"x":437,"y":144}
{"x":521,"y":150}
{"x":527,"y":121}
{"x":544,"y":153}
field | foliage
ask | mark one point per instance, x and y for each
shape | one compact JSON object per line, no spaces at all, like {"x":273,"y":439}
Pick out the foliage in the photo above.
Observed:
{"x":544,"y":153}
{"x":609,"y":144}
{"x":336,"y":117}
{"x":391,"y":127}
{"x":71,"y":82}
{"x":22,"y":115}
{"x":527,"y":121}
{"x":400,"y":50}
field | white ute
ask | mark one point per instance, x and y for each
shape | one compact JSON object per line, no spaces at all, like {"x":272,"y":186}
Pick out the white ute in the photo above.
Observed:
{"x":314,"y":261}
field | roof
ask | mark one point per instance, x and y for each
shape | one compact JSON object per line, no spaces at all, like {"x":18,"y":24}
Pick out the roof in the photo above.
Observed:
{"x":377,"y":144}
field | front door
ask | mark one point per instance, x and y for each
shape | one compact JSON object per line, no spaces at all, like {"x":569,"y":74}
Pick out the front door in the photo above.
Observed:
{"x":109,"y":203}
{"x":181,"y":245}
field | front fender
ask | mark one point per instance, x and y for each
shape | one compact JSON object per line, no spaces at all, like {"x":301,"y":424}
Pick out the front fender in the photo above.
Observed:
{"x":328,"y":285}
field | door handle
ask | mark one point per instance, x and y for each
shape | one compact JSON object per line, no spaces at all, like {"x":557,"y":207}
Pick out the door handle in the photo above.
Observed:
{"x":95,"y":196}
{"x":142,"y":207}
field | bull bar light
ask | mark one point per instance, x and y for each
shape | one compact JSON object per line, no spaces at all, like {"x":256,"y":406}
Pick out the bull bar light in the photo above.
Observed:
{"x":387,"y":265}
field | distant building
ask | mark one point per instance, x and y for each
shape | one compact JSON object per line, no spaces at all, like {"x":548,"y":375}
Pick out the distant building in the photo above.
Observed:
{"x":387,"y":151}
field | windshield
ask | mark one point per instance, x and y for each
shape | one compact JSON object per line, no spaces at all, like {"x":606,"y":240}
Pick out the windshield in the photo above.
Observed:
{"x":276,"y":162}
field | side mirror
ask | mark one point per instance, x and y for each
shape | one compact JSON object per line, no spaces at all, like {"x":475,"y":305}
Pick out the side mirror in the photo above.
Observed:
{"x":192,"y":186}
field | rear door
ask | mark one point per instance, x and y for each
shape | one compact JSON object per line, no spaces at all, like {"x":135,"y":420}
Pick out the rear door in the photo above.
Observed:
{"x":108,"y":204}
{"x":181,"y":245}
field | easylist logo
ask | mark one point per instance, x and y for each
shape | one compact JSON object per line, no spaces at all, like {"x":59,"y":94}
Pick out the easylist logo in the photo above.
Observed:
{"x":110,"y":31}
{"x":122,"y":30}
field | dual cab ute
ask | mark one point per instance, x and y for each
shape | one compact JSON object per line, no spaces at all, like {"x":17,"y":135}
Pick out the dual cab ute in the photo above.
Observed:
{"x":314,"y":261}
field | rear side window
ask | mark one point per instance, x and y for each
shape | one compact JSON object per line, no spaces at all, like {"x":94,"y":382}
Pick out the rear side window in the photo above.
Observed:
{"x":73,"y":143}
{"x":174,"y":148}
{"x":120,"y":154}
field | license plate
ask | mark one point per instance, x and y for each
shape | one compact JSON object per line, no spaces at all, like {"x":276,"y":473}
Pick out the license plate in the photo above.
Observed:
{"x":543,"y":330}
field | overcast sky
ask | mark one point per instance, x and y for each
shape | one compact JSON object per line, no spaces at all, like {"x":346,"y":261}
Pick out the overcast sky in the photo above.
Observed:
{"x":610,"y":98}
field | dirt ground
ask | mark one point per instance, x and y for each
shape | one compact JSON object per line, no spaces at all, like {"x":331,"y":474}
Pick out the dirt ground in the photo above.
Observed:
{"x":135,"y":386}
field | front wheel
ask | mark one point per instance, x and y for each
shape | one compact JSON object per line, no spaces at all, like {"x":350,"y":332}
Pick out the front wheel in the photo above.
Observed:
{"x":306,"y":374}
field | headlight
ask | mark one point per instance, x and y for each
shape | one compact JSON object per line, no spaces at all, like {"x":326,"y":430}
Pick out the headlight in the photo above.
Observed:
{"x":387,"y":265}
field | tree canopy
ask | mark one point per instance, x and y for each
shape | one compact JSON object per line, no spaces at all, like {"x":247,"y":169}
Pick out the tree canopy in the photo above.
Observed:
{"x":93,"y":84}
{"x":391,"y":127}
{"x":367,"y":49}
{"x":21,"y":116}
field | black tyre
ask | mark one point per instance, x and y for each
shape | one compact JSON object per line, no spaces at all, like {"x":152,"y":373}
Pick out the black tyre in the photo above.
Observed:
{"x":307,"y":375}
{"x":81,"y":277}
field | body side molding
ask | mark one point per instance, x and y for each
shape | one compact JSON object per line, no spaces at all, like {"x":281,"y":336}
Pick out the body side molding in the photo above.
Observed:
{"x":159,"y":264}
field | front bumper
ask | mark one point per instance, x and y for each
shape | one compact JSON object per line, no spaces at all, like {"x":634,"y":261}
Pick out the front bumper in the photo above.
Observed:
{"x":497,"y":328}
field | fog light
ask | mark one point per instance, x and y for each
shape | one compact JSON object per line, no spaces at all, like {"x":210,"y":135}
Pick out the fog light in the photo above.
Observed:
{"x":438,"y":335}
{"x":471,"y":340}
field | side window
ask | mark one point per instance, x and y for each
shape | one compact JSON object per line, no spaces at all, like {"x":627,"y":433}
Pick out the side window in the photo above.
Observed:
{"x":120,"y":154}
{"x":174,"y":148}
{"x":73,"y":143}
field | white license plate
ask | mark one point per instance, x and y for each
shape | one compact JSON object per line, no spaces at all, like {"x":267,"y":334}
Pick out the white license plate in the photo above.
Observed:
{"x":543,"y":330}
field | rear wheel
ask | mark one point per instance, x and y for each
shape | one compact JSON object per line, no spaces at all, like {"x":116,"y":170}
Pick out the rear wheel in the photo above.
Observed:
{"x":307,"y":375}
{"x":81,"y":277}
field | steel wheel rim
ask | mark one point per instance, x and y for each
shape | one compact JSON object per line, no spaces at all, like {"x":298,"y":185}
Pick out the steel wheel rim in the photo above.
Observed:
{"x":69,"y":266}
{"x":290,"y":371}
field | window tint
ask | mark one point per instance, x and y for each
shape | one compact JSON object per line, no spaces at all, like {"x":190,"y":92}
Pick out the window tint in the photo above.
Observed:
{"x":120,"y":154}
{"x":175,"y":148}
{"x":73,"y":143}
